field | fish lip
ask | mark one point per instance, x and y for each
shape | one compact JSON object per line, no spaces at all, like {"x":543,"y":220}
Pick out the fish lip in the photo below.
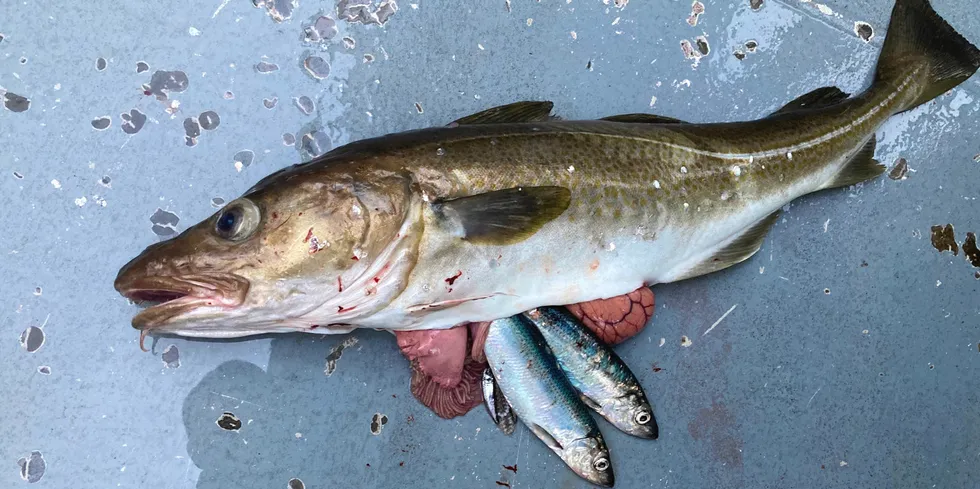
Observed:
{"x":183,"y":293}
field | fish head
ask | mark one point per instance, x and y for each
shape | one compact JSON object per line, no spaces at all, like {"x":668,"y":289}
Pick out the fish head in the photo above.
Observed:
{"x":299,"y":251}
{"x":589,"y":458}
{"x":633,"y":414}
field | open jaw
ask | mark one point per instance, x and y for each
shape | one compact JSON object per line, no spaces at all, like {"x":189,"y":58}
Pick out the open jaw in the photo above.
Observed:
{"x":178,"y":295}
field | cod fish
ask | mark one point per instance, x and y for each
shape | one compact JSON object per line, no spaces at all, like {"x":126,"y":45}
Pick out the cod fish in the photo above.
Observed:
{"x":542,"y":398}
{"x":508,"y":210}
{"x":604,"y":382}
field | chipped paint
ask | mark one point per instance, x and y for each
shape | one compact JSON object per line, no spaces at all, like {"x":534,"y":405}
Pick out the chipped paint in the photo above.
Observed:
{"x":277,"y":10}
{"x":864,"y":31}
{"x":900,"y":170}
{"x":970,"y":250}
{"x":697,"y":9}
{"x":366,"y":12}
{"x":686,"y":342}
{"x":334,"y":356}
{"x":171,"y":357}
{"x":944,"y":239}
{"x":32,"y":339}
{"x":378,"y":421}
{"x":229,"y":422}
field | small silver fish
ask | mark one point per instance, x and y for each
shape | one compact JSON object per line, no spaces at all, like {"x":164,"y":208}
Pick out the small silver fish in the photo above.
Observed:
{"x":604,"y":381}
{"x":529,"y":377}
{"x":497,"y":405}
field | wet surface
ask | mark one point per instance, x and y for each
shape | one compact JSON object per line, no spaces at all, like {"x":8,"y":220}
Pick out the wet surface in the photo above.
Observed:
{"x":900,"y":170}
{"x":102,"y":123}
{"x":794,"y":378}
{"x":317,"y":67}
{"x":305,"y":104}
{"x":32,"y":467}
{"x":133,"y":121}
{"x":32,"y":339}
{"x":164,"y":222}
{"x":15,"y":103}
{"x":171,"y":357}
{"x":163,"y":83}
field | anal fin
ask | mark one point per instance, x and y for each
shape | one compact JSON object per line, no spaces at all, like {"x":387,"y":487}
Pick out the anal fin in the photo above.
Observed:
{"x":740,"y":249}
{"x":862,"y":166}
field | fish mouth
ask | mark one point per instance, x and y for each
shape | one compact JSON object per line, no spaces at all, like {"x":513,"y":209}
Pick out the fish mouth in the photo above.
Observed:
{"x":171,"y":296}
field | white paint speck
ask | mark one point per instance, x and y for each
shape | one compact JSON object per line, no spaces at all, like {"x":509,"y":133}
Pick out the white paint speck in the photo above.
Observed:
{"x":686,"y":205}
{"x":480,"y":46}
{"x":611,"y":246}
{"x":615,"y":21}
{"x":238,"y":166}
{"x":571,"y":168}
{"x":55,"y":183}
{"x":762,"y":270}
{"x":574,"y":35}
{"x":843,"y":463}
{"x":789,"y":155}
{"x":194,"y":31}
{"x":653,"y":100}
{"x":686,"y":342}
{"x":81,"y":201}
{"x":736,"y":170}
{"x":298,"y":435}
{"x":662,"y":341}
{"x":530,"y":21}
{"x":656,"y":184}
{"x":683,"y":169}
{"x":938,"y":283}
{"x":825,"y":224}
{"x":57,"y":86}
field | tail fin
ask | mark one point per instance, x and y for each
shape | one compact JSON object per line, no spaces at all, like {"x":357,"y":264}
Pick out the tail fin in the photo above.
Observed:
{"x":918,"y":36}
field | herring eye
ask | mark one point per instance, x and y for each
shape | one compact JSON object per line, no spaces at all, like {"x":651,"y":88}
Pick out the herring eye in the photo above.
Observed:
{"x":642,"y":417}
{"x":238,"y":220}
{"x":601,"y":464}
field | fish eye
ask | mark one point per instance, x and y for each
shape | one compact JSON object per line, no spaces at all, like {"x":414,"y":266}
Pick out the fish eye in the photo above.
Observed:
{"x":601,"y":464}
{"x":238,"y":220}
{"x":642,"y":417}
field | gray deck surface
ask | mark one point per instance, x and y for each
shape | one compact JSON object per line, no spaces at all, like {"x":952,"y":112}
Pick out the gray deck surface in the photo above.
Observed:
{"x":875,"y":384}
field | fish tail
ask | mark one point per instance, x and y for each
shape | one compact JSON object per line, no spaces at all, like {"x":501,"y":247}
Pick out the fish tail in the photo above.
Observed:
{"x":921,"y":47}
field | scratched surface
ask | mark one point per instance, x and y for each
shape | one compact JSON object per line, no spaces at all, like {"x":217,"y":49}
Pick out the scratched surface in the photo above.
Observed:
{"x":848,"y":357}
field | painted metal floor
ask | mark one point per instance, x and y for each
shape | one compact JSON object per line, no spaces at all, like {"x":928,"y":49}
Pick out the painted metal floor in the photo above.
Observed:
{"x":848,"y":357}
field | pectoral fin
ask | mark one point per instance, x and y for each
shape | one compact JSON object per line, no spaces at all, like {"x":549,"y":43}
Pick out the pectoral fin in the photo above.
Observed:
{"x":545,"y":437}
{"x":505,"y":216}
{"x":515,"y":112}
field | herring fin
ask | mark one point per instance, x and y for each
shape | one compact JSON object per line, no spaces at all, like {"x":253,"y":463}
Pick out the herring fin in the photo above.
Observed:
{"x":643,"y":118}
{"x":816,"y":99}
{"x":588,"y":401}
{"x":862,"y":166}
{"x":740,"y":249}
{"x":504,"y":216}
{"x":545,"y":437}
{"x":515,"y":112}
{"x":919,"y":38}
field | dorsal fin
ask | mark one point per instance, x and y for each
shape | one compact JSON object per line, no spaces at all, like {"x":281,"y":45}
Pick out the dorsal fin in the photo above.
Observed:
{"x":862,"y":166}
{"x":503,"y":216}
{"x":739,"y":250}
{"x":515,"y":112}
{"x":817,"y":99}
{"x":643,"y":118}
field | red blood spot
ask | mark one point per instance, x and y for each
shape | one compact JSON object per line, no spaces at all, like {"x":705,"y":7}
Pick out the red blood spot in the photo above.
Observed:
{"x":340,"y":285}
{"x":343,"y":309}
{"x":376,"y":279}
{"x":309,"y":234}
{"x":503,"y":483}
{"x":275,"y":215}
{"x":315,"y":326}
{"x":355,"y":258}
{"x":401,"y":464}
{"x":512,"y":468}
{"x":656,"y":368}
{"x":368,"y":465}
{"x":450,"y":280}
{"x":300,"y":213}
{"x":147,"y":92}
